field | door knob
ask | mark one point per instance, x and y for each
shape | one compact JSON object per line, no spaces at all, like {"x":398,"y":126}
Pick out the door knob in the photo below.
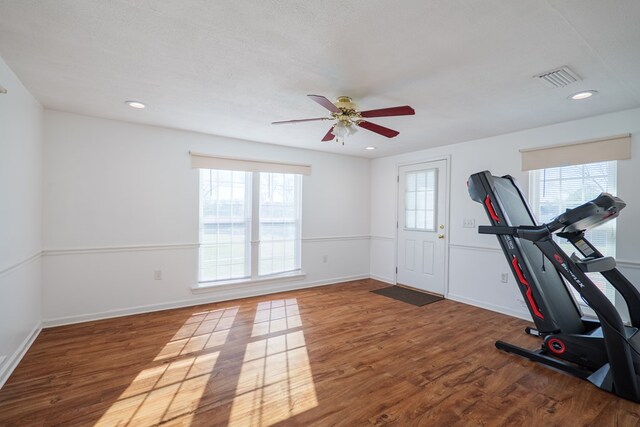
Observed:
{"x":441,"y":226}
{"x":440,"y":236}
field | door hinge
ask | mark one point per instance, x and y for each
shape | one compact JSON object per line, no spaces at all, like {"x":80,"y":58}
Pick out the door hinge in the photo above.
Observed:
{"x":398,"y":178}
{"x":396,"y":270}
{"x":397,"y":224}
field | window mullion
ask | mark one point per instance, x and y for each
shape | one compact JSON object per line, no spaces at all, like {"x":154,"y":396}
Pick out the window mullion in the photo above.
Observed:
{"x":255,"y":224}
{"x":298,"y":236}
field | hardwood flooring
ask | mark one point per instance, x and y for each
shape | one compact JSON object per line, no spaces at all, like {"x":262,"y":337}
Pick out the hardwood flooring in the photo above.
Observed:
{"x":334,"y":355}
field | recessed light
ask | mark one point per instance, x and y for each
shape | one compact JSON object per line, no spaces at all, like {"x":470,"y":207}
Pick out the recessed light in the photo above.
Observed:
{"x":583,"y":95}
{"x":135,"y":104}
{"x":369,"y":148}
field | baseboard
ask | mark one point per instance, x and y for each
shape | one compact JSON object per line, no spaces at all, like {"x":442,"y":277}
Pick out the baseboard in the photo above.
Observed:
{"x":382,"y":279}
{"x":9,"y":365}
{"x":211,"y":298}
{"x":488,"y":306}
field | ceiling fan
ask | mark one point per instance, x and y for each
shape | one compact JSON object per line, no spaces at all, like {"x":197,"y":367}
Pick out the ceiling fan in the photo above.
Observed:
{"x":345,"y":112}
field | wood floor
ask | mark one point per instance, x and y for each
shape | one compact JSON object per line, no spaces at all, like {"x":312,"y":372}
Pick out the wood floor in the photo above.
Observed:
{"x":335,"y":355}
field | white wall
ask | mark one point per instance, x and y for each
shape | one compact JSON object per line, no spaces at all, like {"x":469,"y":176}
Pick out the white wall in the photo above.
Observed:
{"x":20,"y":220}
{"x":475,"y":260}
{"x":121,"y":201}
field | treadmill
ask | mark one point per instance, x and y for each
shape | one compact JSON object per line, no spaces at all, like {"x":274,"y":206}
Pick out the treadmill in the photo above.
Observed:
{"x":605,"y":352}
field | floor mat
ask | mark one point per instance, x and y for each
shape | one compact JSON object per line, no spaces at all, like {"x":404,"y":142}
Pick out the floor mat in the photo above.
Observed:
{"x":408,"y":295}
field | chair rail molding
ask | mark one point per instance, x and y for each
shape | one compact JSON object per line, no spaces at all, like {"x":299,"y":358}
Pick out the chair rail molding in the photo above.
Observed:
{"x":21,"y":263}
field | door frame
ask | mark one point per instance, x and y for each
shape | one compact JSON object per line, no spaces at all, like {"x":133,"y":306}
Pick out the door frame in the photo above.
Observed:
{"x":447,"y":201}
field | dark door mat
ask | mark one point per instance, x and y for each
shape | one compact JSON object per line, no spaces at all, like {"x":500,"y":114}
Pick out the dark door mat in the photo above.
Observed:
{"x":407,"y":295}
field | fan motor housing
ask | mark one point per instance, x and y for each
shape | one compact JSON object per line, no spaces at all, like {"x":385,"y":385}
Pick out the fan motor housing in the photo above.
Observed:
{"x":346,"y":104}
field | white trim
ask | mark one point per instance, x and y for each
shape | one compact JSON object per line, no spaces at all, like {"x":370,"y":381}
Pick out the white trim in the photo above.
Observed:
{"x":628,"y":264}
{"x":231,"y":294}
{"x":488,"y":306}
{"x":170,"y":246}
{"x":475,"y":248}
{"x":382,"y":279}
{"x":7,"y":368}
{"x":203,"y":287}
{"x":334,"y":238}
{"x":382,"y":238}
{"x":447,"y":212}
{"x":132,"y":248}
{"x":22,"y":263}
{"x":619,"y":263}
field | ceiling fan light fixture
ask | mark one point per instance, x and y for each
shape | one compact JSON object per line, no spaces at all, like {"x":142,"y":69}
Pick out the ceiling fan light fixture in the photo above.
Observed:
{"x":340,"y":129}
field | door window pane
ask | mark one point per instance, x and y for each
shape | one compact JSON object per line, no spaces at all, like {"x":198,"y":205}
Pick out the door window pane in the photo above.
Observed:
{"x":420,"y":200}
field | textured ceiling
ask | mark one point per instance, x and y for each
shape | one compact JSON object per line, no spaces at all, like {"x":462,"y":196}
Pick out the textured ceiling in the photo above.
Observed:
{"x":231,"y":68}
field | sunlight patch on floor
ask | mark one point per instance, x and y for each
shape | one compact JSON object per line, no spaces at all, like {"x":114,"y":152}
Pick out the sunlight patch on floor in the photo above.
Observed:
{"x":171,"y":389}
{"x":276,"y":381}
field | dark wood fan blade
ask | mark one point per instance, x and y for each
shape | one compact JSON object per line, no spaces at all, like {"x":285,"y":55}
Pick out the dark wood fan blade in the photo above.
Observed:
{"x":329,"y":136}
{"x":299,"y":120}
{"x":389,"y":133}
{"x":404,"y":110}
{"x":325,"y":103}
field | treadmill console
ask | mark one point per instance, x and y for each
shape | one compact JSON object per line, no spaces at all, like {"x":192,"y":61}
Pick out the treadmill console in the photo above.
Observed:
{"x":603,"y":208}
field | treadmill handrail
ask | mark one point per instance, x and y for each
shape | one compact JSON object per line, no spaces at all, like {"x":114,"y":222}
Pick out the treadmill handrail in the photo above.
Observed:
{"x":532,"y":233}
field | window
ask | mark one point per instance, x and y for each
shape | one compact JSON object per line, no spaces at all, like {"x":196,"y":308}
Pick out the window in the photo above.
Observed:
{"x":279,"y":223}
{"x":555,"y":190}
{"x":249,"y":224}
{"x":420,"y":200}
{"x":225,"y":224}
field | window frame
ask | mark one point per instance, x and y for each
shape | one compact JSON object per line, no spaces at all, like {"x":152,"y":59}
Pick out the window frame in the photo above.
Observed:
{"x":252,"y":257}
{"x":430,"y":200}
{"x":534,"y":198}
{"x":297,"y":241}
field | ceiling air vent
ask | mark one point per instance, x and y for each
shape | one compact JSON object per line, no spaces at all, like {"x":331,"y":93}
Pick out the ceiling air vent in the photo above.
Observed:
{"x":559,"y":77}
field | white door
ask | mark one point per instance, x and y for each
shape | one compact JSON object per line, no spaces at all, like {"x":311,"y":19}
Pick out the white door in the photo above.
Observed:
{"x":421,"y":226}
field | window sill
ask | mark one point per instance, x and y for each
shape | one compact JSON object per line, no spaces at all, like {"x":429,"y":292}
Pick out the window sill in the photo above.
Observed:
{"x":203,"y":287}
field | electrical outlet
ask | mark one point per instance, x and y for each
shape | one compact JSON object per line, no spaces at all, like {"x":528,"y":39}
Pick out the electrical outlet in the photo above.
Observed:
{"x":325,"y":258}
{"x":469,"y":223}
{"x":504,"y":277}
{"x":157,"y":275}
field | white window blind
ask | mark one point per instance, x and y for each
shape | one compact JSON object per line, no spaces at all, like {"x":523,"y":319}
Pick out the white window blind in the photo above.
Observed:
{"x":555,"y":190}
{"x":207,"y":161}
{"x":580,"y":153}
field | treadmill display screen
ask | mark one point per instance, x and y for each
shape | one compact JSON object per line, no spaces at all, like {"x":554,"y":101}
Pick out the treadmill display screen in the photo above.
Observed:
{"x":517,"y":212}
